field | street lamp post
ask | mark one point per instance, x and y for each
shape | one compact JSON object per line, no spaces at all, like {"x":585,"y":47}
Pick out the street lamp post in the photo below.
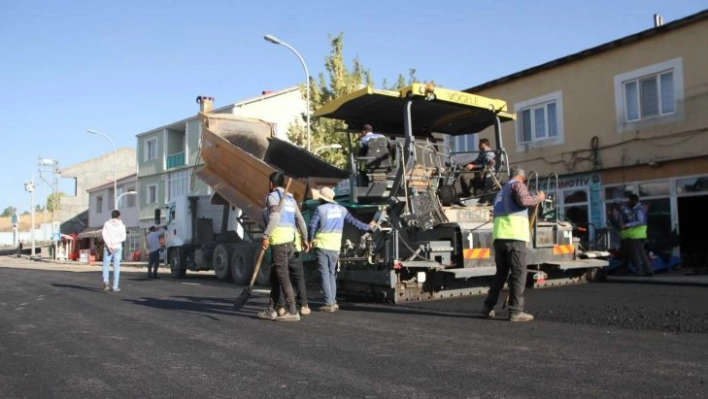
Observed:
{"x":327,"y":147}
{"x":275,"y":40}
{"x":29,"y":187}
{"x":115,"y":155}
{"x":52,"y":165}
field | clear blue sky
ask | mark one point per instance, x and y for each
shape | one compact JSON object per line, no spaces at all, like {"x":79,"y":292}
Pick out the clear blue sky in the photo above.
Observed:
{"x":125,"y":67}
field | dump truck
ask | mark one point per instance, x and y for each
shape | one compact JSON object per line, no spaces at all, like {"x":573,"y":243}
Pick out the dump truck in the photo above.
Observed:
{"x":433,"y":235}
{"x":221,"y":232}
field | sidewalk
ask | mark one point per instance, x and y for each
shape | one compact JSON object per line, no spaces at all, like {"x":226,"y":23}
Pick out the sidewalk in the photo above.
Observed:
{"x":695,"y":277}
{"x":50,"y":264}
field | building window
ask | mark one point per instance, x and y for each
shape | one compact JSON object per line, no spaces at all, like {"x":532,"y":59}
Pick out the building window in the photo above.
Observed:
{"x":692,"y":185}
{"x":150,"y":149}
{"x":539,"y":121}
{"x":649,"y":94}
{"x":177,"y":183}
{"x":463,"y":143}
{"x":151,"y":194}
{"x":99,"y":204}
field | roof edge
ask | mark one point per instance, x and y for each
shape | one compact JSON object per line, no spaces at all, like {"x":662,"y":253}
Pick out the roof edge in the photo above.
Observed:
{"x":679,"y":23}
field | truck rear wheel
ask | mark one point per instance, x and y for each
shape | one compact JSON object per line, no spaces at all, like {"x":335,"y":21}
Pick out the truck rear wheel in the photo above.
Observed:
{"x":264,"y":273}
{"x":241,"y":265}
{"x":221,"y":261}
{"x":177,"y":265}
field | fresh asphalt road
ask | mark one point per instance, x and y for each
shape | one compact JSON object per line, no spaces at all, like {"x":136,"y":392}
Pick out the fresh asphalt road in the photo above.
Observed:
{"x":62,"y":337}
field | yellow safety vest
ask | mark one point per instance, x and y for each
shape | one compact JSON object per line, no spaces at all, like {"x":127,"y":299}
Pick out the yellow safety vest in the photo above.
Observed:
{"x":511,"y":220}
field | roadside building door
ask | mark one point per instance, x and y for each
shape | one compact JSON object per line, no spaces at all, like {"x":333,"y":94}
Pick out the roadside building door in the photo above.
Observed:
{"x":692,"y":195}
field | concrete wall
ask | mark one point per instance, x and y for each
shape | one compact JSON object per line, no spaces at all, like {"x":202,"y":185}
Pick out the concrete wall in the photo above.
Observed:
{"x":283,"y":109}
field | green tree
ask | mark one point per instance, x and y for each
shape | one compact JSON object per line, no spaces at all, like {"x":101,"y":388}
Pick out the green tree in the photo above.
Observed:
{"x":54,"y":201}
{"x":339,"y":80}
{"x":8,"y":211}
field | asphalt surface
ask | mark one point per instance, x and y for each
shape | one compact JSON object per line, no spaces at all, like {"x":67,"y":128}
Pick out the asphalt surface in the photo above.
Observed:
{"x":62,"y":337}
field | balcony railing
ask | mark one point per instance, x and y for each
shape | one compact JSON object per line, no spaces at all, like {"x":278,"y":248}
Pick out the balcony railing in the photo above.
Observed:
{"x":175,"y":160}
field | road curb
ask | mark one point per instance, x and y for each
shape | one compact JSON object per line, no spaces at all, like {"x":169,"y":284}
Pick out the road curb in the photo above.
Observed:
{"x":686,"y":280}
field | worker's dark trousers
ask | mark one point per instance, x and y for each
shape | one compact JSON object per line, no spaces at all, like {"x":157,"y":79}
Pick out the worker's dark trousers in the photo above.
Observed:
{"x":510,"y":256}
{"x":297,"y":279}
{"x":639,"y":256}
{"x":154,"y":261}
{"x":282,"y":254}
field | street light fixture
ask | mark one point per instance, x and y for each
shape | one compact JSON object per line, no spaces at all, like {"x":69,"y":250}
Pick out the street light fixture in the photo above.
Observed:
{"x":121,"y":196}
{"x":327,"y":147}
{"x":115,"y":155}
{"x":275,"y":40}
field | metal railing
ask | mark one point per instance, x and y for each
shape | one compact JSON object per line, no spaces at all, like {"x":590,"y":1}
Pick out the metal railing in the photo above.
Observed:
{"x":175,"y":160}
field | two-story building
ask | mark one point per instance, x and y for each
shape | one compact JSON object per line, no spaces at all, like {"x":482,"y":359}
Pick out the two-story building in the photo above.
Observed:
{"x":628,"y":116}
{"x":74,"y":207}
{"x":168,"y":156}
{"x":101,"y":200}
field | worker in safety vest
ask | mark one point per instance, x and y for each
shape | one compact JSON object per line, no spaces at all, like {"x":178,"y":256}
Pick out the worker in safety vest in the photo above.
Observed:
{"x":511,"y":235}
{"x":296,"y":271}
{"x":280,"y":235}
{"x":326,"y":227}
{"x":636,"y":234}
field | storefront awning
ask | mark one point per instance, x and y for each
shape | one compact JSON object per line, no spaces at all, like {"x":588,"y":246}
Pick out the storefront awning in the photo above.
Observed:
{"x":90,"y":232}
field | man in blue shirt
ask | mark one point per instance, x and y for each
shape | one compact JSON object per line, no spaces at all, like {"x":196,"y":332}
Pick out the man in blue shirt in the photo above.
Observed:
{"x":153,"y":244}
{"x":367,"y":134}
{"x":326,"y":227}
{"x":485,"y":159}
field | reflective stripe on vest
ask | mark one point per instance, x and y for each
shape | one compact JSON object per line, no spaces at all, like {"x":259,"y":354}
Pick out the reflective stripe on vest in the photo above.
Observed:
{"x":298,"y":241}
{"x":329,"y":231}
{"x":284,"y":232}
{"x":624,"y":234}
{"x":636,"y":232}
{"x":511,"y":220}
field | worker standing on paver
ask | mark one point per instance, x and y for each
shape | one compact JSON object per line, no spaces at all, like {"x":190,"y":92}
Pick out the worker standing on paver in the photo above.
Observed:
{"x":636,"y":234}
{"x":511,"y":234}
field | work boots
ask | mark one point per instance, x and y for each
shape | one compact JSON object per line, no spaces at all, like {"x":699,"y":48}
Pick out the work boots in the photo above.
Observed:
{"x":268,"y":314}
{"x":520,"y":316}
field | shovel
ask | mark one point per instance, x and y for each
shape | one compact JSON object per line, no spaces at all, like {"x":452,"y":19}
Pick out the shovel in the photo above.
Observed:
{"x":246,"y":293}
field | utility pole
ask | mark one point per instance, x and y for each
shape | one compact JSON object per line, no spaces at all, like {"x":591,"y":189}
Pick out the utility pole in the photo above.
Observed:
{"x":56,"y":203}
{"x":29,"y":187}
{"x":15,"y":229}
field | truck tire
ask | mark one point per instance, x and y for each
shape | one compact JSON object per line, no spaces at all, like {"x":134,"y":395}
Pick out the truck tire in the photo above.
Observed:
{"x":176,"y":261}
{"x":595,"y":275}
{"x":241,"y":265}
{"x":264,"y":273}
{"x":221,"y":261}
